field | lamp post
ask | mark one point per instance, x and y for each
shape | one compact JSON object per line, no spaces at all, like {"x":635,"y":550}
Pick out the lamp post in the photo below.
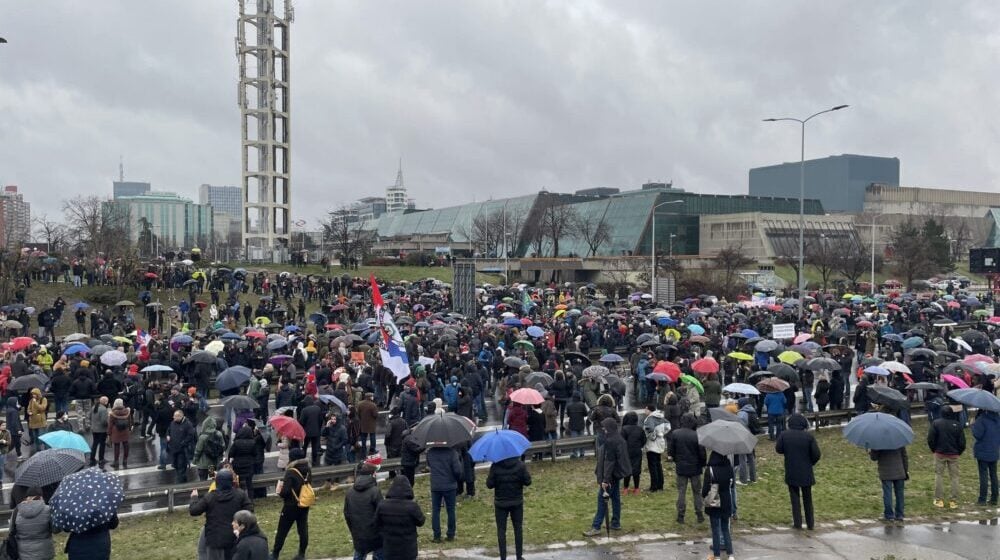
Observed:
{"x":802,"y":192}
{"x":873,"y":257}
{"x":672,"y":236}
{"x":652,"y":246}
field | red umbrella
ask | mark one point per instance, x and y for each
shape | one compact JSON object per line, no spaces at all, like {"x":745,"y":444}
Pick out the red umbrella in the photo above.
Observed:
{"x":527,"y":396}
{"x":526,"y":321}
{"x":201,"y":304}
{"x":893,"y":306}
{"x":332,"y":326}
{"x":670,"y":369}
{"x":151,"y":275}
{"x":705,"y":366}
{"x":21,"y":343}
{"x":864,"y":324}
{"x":255,"y":334}
{"x":288,"y":427}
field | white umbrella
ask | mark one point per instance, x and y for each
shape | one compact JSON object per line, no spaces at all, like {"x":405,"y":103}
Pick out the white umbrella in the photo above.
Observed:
{"x":113,"y":358}
{"x":896,"y":366}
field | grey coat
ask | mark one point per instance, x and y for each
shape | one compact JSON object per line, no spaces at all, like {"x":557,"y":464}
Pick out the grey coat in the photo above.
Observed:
{"x":892,"y":464}
{"x":34,"y":530}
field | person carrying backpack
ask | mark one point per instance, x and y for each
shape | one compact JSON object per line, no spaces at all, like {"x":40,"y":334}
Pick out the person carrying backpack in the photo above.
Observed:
{"x":209,"y":449}
{"x":748,"y":463}
{"x":295,"y":490}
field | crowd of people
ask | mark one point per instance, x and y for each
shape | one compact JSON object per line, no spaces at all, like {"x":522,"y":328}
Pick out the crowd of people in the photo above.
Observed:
{"x":641,"y":378}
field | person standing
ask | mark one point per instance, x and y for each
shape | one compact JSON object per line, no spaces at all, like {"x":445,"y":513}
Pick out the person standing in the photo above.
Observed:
{"x":311,"y":418}
{"x":99,"y":431}
{"x":946,"y":439}
{"x":31,"y":527}
{"x":656,"y":427}
{"x":720,"y":511}
{"x":986,"y":450}
{"x":119,"y":431}
{"x":612,"y":466}
{"x":209,"y":449}
{"x":219,"y":507}
{"x":360,"y":504}
{"x":251,"y":544}
{"x":243,"y":457}
{"x":38,"y":408}
{"x":635,"y":441}
{"x":748,"y":462}
{"x":180,"y":436}
{"x":775,"y":403}
{"x":446,"y":470}
{"x":576,"y":413}
{"x":689,"y":460}
{"x":368,"y":419}
{"x":801,"y":453}
{"x":507,"y":479}
{"x":397,"y":519}
{"x":297,"y":474}
{"x":893,"y":471}
{"x":93,"y":544}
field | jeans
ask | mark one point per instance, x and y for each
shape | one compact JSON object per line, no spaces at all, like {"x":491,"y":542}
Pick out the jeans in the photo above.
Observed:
{"x":376,"y":555}
{"x":682,"y":483}
{"x":987,"y":478}
{"x":747,"y":467}
{"x":164,"y":455}
{"x":655,"y":467}
{"x":516,"y":514}
{"x":940,"y":465}
{"x":62,"y":404}
{"x":888,"y":487}
{"x":300,"y":518}
{"x":721,"y":537}
{"x":36,"y":443}
{"x":806,"y":503}
{"x":807,"y":398}
{"x":775,"y":425}
{"x":579,"y":451}
{"x":615,"y":497}
{"x":448,"y":497}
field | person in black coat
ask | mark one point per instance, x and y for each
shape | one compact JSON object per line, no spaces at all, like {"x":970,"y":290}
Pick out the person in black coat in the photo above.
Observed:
{"x":446,"y":470}
{"x":336,"y":438}
{"x":93,"y":544}
{"x":251,"y":544}
{"x":394,"y":437}
{"x":410,"y":456}
{"x":635,"y":439}
{"x":689,"y":460}
{"x":219,"y":507}
{"x":297,"y":474}
{"x":180,"y":436}
{"x":508,"y":478}
{"x":720,"y":472}
{"x":612,"y":466}
{"x":397,"y":519}
{"x":360,"y":504}
{"x":311,"y":418}
{"x":801,"y":452}
{"x":243,"y":457}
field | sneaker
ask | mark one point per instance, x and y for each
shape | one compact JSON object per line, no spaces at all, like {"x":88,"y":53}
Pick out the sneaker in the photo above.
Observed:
{"x":939,"y":503}
{"x":161,"y":467}
{"x":592,"y":532}
{"x":953,"y":505}
{"x":731,"y":557}
{"x":436,"y":540}
{"x":618,"y":528}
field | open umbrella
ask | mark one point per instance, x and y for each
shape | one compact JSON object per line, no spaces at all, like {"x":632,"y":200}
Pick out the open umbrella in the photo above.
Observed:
{"x":124,"y":303}
{"x":705,"y":366}
{"x":887,"y":396}
{"x":330,"y":399}
{"x":499,"y":445}
{"x":535,"y":331}
{"x":772,"y":385}
{"x":727,"y":438}
{"x":576,"y":356}
{"x":85,"y":500}
{"x":924,"y":386}
{"x":789,"y":357}
{"x":976,"y":398}
{"x":28,"y":382}
{"x":156,"y":368}
{"x":202,"y":357}
{"x":611,"y":359}
{"x":878,"y":431}
{"x":75,"y":349}
{"x":877,"y":370}
{"x":741,"y":389}
{"x":75,"y":337}
{"x":22,"y":343}
{"x":240,"y":402}
{"x":443,"y":430}
{"x":538,"y":377}
{"x":215,"y":347}
{"x":114,"y":358}
{"x":594,"y":372}
{"x":719,"y":413}
{"x":766,"y":346}
{"x":232,"y":377}
{"x":896,"y":366}
{"x":818,"y":364}
{"x":513,"y":361}
{"x":741,"y":356}
{"x":955,"y":381}
{"x":48,"y":467}
{"x":691,"y":380}
{"x":288,"y":427}
{"x":670,"y":369}
{"x":63,"y":439}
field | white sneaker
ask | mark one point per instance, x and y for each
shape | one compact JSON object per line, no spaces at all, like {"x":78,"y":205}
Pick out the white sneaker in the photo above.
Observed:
{"x":731,"y":557}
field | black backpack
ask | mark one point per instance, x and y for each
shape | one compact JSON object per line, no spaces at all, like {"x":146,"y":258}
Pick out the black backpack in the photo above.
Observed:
{"x":753,"y":423}
{"x":122,"y":423}
{"x":215,"y":446}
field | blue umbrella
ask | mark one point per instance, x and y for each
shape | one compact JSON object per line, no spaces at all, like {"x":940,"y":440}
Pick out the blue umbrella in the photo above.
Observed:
{"x":893,"y":337}
{"x":976,"y":398}
{"x":875,"y":430}
{"x":230,"y":336}
{"x":330,"y":399}
{"x":318,"y":319}
{"x":666,"y":322}
{"x":276,"y":344}
{"x":535,"y":331}
{"x":696,"y":329}
{"x":62,"y":439}
{"x":86,"y":500}
{"x":611,"y":358}
{"x":749,"y":333}
{"x":155,"y":368}
{"x":80,"y":305}
{"x":877,"y":370}
{"x":75,"y":349}
{"x":913,"y":342}
{"x":292,"y":328}
{"x":232,"y":378}
{"x":510,"y":322}
{"x":182,"y":339}
{"x":499,"y":445}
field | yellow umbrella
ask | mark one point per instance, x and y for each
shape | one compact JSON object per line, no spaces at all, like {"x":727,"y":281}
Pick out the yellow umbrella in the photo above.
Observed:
{"x":847,"y":296}
{"x":741,"y":356}
{"x":559,"y":312}
{"x":122,"y":339}
{"x":262,"y":321}
{"x":672,"y":333}
{"x":789,"y":357}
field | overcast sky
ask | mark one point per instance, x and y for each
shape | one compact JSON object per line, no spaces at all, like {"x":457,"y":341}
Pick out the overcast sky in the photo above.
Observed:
{"x":494,"y":98}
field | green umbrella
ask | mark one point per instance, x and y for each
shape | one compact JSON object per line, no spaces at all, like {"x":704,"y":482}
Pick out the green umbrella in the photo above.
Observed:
{"x":691,"y":380}
{"x":981,"y":313}
{"x":524,"y":344}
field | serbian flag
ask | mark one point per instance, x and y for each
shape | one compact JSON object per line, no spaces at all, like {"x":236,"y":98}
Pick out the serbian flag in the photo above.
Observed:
{"x":141,"y":337}
{"x":391,"y":342}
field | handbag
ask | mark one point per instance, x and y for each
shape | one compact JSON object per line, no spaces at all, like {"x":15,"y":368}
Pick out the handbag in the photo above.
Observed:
{"x":713,"y":499}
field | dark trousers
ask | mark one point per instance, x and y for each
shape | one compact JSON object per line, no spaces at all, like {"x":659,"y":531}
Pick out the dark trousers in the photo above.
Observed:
{"x":410,"y":473}
{"x":987,"y":478}
{"x":98,"y":448}
{"x":655,"y":467}
{"x":316,"y":449}
{"x":516,"y":514}
{"x":447,"y":499}
{"x":807,"y":503}
{"x":300,"y":518}
{"x":180,"y":463}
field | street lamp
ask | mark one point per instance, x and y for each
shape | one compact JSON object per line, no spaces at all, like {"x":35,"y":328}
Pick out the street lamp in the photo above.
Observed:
{"x":672,"y":236}
{"x":802,"y":192}
{"x":652,"y":245}
{"x":873,"y":255}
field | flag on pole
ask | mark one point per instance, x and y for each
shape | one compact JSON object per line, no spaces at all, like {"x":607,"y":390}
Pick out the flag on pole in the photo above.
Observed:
{"x":141,"y":338}
{"x":390,"y":345}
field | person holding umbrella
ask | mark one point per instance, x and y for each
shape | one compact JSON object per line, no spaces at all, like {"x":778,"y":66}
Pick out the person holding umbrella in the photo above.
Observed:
{"x":717,"y":494}
{"x":946,"y":440}
{"x":801,"y":453}
{"x":612,"y":466}
{"x":86,"y":506}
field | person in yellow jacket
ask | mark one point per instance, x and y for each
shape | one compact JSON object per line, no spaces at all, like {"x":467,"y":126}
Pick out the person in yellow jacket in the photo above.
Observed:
{"x":44,"y":359}
{"x":38,"y":408}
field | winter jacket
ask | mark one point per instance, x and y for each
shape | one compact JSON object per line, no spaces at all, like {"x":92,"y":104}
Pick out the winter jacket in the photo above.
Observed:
{"x":181,"y":435}
{"x":207,"y":432}
{"x":291,"y":486}
{"x":986,"y":431}
{"x":551,"y":414}
{"x":13,"y":418}
{"x":656,"y":428}
{"x":394,"y":437}
{"x":94,"y":544}
{"x":252,"y":545}
{"x":33,"y":520}
{"x":116,"y":435}
{"x":243,"y":452}
{"x":775,"y":404}
{"x":311,"y":418}
{"x":688,"y":456}
{"x":517,"y":419}
{"x":613,"y":463}
{"x":360,"y":504}
{"x":507,"y":479}
{"x":800,"y":450}
{"x":411,"y":408}
{"x":336,"y":439}
{"x":719,"y":471}
{"x":576,"y":412}
{"x":37,"y":410}
{"x":410,"y":453}
{"x":946,"y":436}
{"x":446,"y":468}
{"x":219,"y":506}
{"x":713,"y":392}
{"x":635,"y":440}
{"x":892,"y":464}
{"x":367,"y":416}
{"x":99,"y":419}
{"x":397,"y":518}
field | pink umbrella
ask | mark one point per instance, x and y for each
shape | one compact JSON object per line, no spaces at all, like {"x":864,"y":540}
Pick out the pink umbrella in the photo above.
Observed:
{"x":973,"y":358}
{"x":802,"y":338}
{"x":955,"y":381}
{"x":527,"y":396}
{"x":994,"y":320}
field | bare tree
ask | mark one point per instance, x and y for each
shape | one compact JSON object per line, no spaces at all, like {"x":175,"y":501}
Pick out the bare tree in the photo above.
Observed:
{"x":51,"y":232}
{"x":95,"y":227}
{"x":348,"y":237}
{"x":593,"y":233}
{"x":556,"y":223}
{"x":728,"y":262}
{"x":854,"y":261}
{"x":823,"y":254}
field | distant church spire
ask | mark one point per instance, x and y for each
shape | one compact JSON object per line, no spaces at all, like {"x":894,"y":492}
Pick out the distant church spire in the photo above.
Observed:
{"x":399,"y":174}
{"x":121,"y":169}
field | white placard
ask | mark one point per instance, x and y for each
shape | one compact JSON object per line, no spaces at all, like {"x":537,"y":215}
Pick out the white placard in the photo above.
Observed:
{"x":781,"y":331}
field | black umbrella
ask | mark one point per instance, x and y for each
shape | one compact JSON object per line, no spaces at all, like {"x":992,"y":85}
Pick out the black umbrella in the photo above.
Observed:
{"x":513,"y":361}
{"x":758,"y":376}
{"x":924,"y":386}
{"x":570,"y":356}
{"x":921,"y":353}
{"x":202,"y":357}
{"x":784,"y":371}
{"x":48,"y":467}
{"x":538,"y":377}
{"x":443,"y":430}
{"x":973,"y":337}
{"x":817,"y":364}
{"x":240,"y":402}
{"x":26,"y":383}
{"x":887,"y":396}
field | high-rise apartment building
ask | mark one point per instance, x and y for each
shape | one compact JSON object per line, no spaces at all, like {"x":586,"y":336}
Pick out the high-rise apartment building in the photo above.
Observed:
{"x":130,"y":188}
{"x":15,"y":217}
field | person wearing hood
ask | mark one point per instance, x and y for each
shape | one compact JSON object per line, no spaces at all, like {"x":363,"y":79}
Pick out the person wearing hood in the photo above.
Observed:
{"x":251,"y":544}
{"x":576,"y":412}
{"x":635,"y":441}
{"x":219,"y":507}
{"x":451,"y":393}
{"x":397,"y":518}
{"x":31,"y":527}
{"x":99,"y":431}
{"x":120,"y":430}
{"x":336,"y":438}
{"x":209,"y":448}
{"x":311,"y":418}
{"x":14,"y":425}
{"x":297,"y":474}
{"x":44,"y":359}
{"x":360,"y":504}
{"x":243,"y":457}
{"x":656,"y":428}
{"x":446,"y":470}
{"x":748,"y":462}
{"x":801,"y":453}
{"x":689,"y":460}
{"x":719,"y":472}
{"x":38,"y":408}
{"x":508,"y":478}
{"x":986,"y":450}
{"x":612,"y":466}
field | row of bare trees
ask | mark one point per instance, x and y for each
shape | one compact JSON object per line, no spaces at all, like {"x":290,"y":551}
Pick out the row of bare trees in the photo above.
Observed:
{"x":553,"y":224}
